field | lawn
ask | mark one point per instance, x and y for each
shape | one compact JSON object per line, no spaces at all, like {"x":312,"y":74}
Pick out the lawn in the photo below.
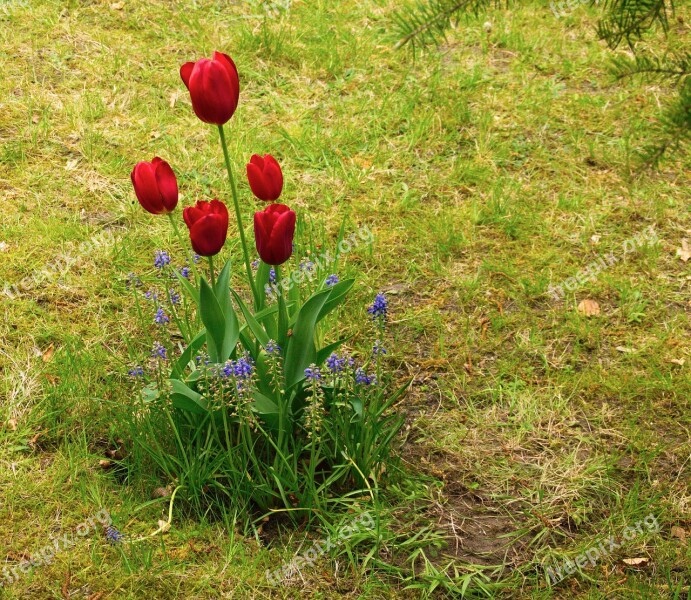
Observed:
{"x":541,"y":422}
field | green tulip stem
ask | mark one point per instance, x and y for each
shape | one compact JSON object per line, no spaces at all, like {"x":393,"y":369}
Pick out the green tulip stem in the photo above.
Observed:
{"x":282,"y":311}
{"x":238,"y":216}
{"x":212,"y":273}
{"x":175,"y":228}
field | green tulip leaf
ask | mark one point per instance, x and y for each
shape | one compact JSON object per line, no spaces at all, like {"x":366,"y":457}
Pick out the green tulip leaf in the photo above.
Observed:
{"x":189,"y":288}
{"x":326,"y":351}
{"x":338,"y":295}
{"x":150,"y":392}
{"x":213,"y":320}
{"x":222,"y":288}
{"x":301,"y":350}
{"x":267,"y":408}
{"x":186,"y":398}
{"x":254,"y":325}
{"x":186,"y":356}
{"x":261,"y":280}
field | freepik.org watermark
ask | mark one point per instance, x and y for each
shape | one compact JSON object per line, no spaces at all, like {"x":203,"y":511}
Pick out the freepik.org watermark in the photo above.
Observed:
{"x":362,"y":237}
{"x":309,"y":557}
{"x":565,"y":7}
{"x":47,"y":553}
{"x":645,"y":238}
{"x":601,"y":549}
{"x":59,"y":266}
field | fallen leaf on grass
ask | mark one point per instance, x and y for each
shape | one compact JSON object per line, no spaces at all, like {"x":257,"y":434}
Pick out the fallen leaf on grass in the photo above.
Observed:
{"x":33,"y":440}
{"x":679,"y":532}
{"x":636,"y":562}
{"x":66,"y":586}
{"x":11,"y":424}
{"x":624,"y":349}
{"x":684,"y":252}
{"x":48,"y":354}
{"x":3,"y":246}
{"x":678,"y":361}
{"x":160,"y":492}
{"x":589,"y":308}
{"x":117,"y":5}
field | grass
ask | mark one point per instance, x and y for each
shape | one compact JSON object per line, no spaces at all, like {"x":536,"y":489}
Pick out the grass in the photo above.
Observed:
{"x":487,"y":171}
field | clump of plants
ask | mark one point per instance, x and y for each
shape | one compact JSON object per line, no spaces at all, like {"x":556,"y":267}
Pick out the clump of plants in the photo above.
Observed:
{"x":248,"y":397}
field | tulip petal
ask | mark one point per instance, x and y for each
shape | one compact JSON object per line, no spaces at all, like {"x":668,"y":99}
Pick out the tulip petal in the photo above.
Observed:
{"x":208,"y":235}
{"x":282,"y":236}
{"x":258,"y":161}
{"x":167,"y":184}
{"x":191,"y":215}
{"x":228,"y":63}
{"x":212,"y":92}
{"x":273,"y":177}
{"x":255,"y":177}
{"x":146,"y":188}
{"x":274,"y":229}
{"x":186,"y":73}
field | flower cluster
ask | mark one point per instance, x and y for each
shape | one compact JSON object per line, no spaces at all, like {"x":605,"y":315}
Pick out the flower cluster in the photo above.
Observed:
{"x":159,"y":351}
{"x":272,"y":347}
{"x":379,"y":308}
{"x":214,"y":87}
{"x":336,"y":364}
{"x":161,"y":259}
{"x":240,"y":369}
{"x":160,"y":318}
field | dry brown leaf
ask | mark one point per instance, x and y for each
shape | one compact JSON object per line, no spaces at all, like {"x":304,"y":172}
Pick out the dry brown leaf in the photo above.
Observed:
{"x":66,"y":586}
{"x":173,"y":99}
{"x":624,"y":349}
{"x":636,"y":562}
{"x":48,"y":354}
{"x":678,"y":361}
{"x":160,"y":492}
{"x":679,"y":532}
{"x":117,"y":5}
{"x":589,"y":308}
{"x":595,"y":238}
{"x":35,"y":119}
{"x":105,"y":464}
{"x":685,"y":251}
{"x":12,"y":424}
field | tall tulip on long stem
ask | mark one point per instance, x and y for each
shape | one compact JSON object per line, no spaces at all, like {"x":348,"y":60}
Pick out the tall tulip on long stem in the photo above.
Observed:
{"x":238,"y":216}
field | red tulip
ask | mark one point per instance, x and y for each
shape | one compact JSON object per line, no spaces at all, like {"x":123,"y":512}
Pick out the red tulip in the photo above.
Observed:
{"x":155,"y":185}
{"x":208,"y":225}
{"x":265,"y":177}
{"x":274,"y":228}
{"x":214,"y":87}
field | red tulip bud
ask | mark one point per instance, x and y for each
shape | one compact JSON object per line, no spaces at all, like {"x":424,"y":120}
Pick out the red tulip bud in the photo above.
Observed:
{"x":265,"y":177}
{"x":214,"y":87}
{"x":155,"y":186}
{"x":208,"y":225}
{"x":274,"y":228}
